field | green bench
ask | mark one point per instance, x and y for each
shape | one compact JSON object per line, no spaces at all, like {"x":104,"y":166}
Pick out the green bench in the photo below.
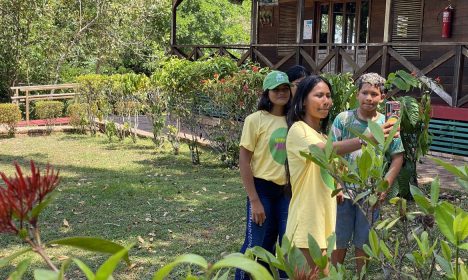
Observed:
{"x":449,"y":136}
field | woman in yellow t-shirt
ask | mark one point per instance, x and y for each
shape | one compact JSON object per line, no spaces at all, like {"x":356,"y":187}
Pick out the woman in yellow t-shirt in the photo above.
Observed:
{"x":261,"y":163}
{"x":312,"y":209}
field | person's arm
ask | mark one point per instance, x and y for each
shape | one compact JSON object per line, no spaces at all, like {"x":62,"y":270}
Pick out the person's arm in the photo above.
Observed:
{"x":350,"y":145}
{"x":258,"y":213}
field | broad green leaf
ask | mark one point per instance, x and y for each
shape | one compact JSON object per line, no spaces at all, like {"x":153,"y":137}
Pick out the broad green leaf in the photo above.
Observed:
{"x":416,"y":190}
{"x":329,"y":145}
{"x":360,"y":196}
{"x":394,"y":200}
{"x":382,"y":224}
{"x":6,"y":260}
{"x":449,"y":167}
{"x":43,"y":274}
{"x":462,"y":183}
{"x":445,"y":265}
{"x":460,"y":227}
{"x":372,"y":199}
{"x":280,"y":254}
{"x":386,"y":251}
{"x":435,"y":190}
{"x":423,"y":203}
{"x":316,"y":252}
{"x":401,"y":84}
{"x":444,"y":219}
{"x":374,"y":242}
{"x":92,"y":244}
{"x":390,"y":137}
{"x":84,"y":268}
{"x":392,"y":223}
{"x":446,"y":251}
{"x":463,"y":246}
{"x":107,"y":268}
{"x":377,"y":132}
{"x":188,"y":258}
{"x":256,"y":270}
{"x":36,"y":211}
{"x":266,"y":256}
{"x":21,"y":268}
{"x":364,"y":163}
{"x":369,"y":251}
{"x":222,"y":277}
{"x":296,"y":259}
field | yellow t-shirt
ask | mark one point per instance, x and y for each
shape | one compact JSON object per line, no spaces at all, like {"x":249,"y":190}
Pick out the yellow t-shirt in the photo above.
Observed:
{"x":312,"y":210}
{"x":264,"y":134}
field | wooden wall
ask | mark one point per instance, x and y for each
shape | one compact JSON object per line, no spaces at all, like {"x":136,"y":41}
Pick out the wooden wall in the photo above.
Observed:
{"x":431,"y":32}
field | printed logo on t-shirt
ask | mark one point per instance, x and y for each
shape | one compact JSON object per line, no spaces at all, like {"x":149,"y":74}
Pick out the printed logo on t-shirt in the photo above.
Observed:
{"x":277,"y":145}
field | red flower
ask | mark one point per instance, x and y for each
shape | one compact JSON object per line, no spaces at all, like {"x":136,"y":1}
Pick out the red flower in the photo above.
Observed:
{"x":23,"y":193}
{"x":255,"y":68}
{"x":413,"y":73}
{"x":438,"y":80}
{"x":6,"y":214}
{"x":222,"y":81}
{"x":246,"y":88}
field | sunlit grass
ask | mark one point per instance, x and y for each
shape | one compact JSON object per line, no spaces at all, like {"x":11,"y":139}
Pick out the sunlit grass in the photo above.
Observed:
{"x":122,"y":191}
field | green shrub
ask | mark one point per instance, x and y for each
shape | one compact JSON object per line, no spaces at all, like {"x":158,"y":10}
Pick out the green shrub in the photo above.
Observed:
{"x":10,"y":115}
{"x":49,"y":109}
{"x":78,"y":116}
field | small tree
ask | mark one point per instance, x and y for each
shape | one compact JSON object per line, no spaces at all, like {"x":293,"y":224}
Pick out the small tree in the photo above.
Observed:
{"x":10,"y":115}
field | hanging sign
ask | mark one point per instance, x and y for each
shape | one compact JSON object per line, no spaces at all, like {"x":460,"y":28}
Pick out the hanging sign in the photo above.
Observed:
{"x":308,"y":24}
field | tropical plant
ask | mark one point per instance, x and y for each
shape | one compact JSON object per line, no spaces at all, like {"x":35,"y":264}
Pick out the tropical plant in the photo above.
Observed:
{"x":415,"y":117}
{"x":49,"y":110}
{"x":78,"y":117}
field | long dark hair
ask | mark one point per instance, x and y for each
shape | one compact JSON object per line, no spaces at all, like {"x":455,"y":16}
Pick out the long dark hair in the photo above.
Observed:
{"x":265,"y":104}
{"x":297,"y":111}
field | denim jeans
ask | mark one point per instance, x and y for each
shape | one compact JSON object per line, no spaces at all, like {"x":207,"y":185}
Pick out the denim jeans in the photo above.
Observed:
{"x":275,"y":204}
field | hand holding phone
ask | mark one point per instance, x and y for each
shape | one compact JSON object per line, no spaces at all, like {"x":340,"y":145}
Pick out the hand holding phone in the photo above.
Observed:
{"x":392,"y":111}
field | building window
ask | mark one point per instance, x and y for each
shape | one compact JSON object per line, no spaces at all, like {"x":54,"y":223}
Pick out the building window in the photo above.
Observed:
{"x":407,"y":26}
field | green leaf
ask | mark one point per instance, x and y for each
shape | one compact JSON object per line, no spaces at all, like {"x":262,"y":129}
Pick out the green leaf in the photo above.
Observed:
{"x":364,"y":163}
{"x":460,"y":227}
{"x":21,"y":268}
{"x":377,"y":132}
{"x":386,"y":251}
{"x":360,"y":196}
{"x":435,"y":190}
{"x":391,"y":134}
{"x":369,"y":251}
{"x":446,"y":251}
{"x":329,"y":145}
{"x":6,"y":260}
{"x":392,"y":223}
{"x":449,"y":167}
{"x":316,"y":252}
{"x":108,"y":267}
{"x":444,"y":219}
{"x":463,"y":246}
{"x":423,"y":203}
{"x":36,"y":211}
{"x":445,"y":265}
{"x":84,"y":268}
{"x":63,"y":268}
{"x":401,"y":84}
{"x":92,"y":244}
{"x":188,"y":258}
{"x":43,"y":274}
{"x":374,"y":242}
{"x":266,"y":256}
{"x":331,"y":240}
{"x":382,"y":224}
{"x":222,"y":277}
{"x":256,"y":270}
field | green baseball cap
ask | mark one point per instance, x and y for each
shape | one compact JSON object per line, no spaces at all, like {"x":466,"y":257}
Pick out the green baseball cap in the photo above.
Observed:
{"x":274,"y":79}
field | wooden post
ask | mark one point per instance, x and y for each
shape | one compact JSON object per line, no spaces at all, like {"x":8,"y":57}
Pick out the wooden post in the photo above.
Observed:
{"x":385,"y":57}
{"x":253,"y":28}
{"x":175,"y":4}
{"x":458,"y":75}
{"x":299,"y":28}
{"x":27,"y":107}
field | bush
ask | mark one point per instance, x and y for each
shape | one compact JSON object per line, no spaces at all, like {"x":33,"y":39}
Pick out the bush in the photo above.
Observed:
{"x":10,"y":115}
{"x":78,"y":116}
{"x":49,"y":109}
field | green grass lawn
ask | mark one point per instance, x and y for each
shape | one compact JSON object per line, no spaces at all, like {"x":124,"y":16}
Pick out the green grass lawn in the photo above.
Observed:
{"x":122,"y":191}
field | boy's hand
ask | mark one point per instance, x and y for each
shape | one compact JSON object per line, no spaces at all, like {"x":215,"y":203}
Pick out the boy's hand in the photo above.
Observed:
{"x":380,"y":200}
{"x":387,"y":127}
{"x":258,"y":212}
{"x":340,"y":197}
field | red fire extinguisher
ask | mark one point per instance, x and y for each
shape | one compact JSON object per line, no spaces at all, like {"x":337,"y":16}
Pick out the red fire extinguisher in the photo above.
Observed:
{"x":447,"y":15}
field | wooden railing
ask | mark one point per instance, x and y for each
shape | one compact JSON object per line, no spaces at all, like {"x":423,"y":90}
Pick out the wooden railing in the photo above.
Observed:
{"x":32,"y":93}
{"x":341,"y":54}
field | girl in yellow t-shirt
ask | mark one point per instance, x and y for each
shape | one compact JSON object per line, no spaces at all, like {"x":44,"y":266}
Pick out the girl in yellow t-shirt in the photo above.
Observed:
{"x":261,"y":162}
{"x":312,"y":209}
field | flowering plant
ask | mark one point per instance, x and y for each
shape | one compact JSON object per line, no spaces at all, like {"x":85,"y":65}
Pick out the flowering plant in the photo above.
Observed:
{"x":22,"y":199}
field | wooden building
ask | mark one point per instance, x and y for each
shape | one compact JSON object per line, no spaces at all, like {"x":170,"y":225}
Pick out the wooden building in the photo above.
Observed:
{"x":360,"y":36}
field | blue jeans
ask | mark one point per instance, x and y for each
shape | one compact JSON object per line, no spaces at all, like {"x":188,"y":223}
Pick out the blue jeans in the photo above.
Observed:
{"x":351,"y":223}
{"x":275,"y":204}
